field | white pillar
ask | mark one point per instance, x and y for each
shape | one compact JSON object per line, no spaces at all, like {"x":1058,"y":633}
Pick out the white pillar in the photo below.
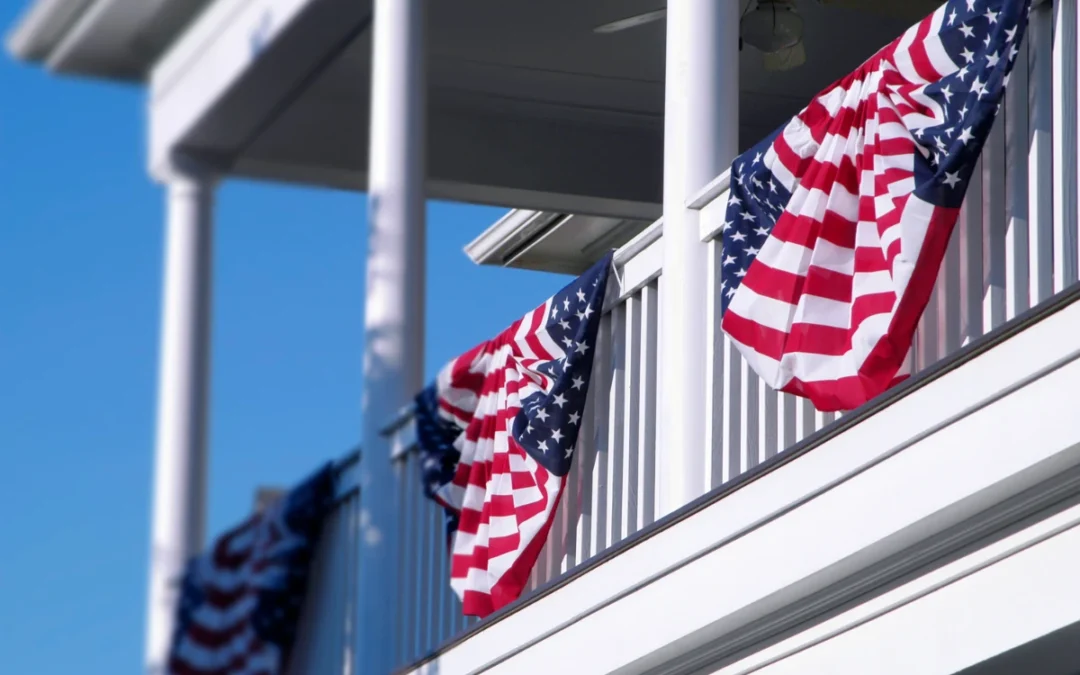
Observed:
{"x":701,"y":112}
{"x":394,"y":312}
{"x":179,"y":516}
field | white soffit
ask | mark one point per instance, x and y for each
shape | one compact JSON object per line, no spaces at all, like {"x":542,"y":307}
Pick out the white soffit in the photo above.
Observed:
{"x":550,"y":241}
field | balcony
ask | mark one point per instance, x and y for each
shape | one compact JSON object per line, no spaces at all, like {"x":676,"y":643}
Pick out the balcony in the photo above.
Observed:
{"x":991,"y":343}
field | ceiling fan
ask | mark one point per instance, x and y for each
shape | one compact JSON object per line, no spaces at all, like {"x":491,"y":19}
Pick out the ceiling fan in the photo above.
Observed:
{"x":775,"y":28}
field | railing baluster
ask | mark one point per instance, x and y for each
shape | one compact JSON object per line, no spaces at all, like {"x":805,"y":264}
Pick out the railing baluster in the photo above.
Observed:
{"x":631,"y":405}
{"x":733,"y":403}
{"x":994,"y":183}
{"x":1064,"y":142}
{"x":616,"y":409}
{"x":1016,"y":201}
{"x":715,"y":433}
{"x":647,"y":469}
{"x":603,"y":440}
{"x":1040,"y":154}
{"x":972,"y":279}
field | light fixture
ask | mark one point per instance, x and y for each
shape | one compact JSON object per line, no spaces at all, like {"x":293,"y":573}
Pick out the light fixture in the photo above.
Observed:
{"x":773,"y":26}
{"x":630,"y":22}
{"x":785,"y":59}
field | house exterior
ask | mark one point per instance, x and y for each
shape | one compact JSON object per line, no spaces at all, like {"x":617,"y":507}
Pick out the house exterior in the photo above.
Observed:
{"x":710,"y":524}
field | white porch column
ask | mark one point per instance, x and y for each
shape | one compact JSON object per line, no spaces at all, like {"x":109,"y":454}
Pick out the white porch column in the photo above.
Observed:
{"x":394,"y":312}
{"x":700,"y":140}
{"x":179,"y":517}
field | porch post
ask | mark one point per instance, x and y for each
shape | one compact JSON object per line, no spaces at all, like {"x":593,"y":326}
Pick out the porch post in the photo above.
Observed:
{"x":700,"y":140}
{"x":394,"y":311}
{"x":179,"y":501}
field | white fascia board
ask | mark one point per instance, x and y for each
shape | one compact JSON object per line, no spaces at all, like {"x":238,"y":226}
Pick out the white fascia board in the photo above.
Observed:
{"x":930,"y":461}
{"x":1006,"y":595}
{"x":43,"y":26}
{"x":206,"y":61}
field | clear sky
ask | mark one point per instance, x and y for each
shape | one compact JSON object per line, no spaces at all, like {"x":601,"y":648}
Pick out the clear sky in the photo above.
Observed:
{"x":80,"y":284}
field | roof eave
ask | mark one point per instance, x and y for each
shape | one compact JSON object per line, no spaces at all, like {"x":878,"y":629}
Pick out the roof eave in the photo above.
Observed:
{"x":42,"y":27}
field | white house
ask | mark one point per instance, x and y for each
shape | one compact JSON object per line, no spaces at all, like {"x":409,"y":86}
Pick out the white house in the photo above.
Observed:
{"x":711,"y":524}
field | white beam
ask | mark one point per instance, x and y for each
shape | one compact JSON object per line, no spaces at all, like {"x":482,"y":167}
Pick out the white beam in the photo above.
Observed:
{"x":179,"y":517}
{"x":700,"y":140}
{"x":394,"y":311}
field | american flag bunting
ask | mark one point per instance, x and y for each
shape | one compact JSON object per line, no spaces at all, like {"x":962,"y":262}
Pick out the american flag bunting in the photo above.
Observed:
{"x":837,"y":224}
{"x":240,"y":602}
{"x":497,"y":434}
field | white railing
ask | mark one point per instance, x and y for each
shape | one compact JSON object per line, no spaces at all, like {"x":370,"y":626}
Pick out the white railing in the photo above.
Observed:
{"x":1015,"y":246}
{"x":325,"y":642}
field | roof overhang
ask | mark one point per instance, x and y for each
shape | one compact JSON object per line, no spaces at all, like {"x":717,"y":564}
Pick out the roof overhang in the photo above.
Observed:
{"x":551,"y":241}
{"x":110,"y":39}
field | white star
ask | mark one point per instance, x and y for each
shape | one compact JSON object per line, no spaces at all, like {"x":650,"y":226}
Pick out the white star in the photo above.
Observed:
{"x":772,"y":186}
{"x":991,"y":15}
{"x":966,"y":135}
{"x":1010,"y":34}
{"x":1013,"y":51}
{"x":569,"y":451}
{"x":581,"y":295}
{"x":963,"y":111}
{"x":992,"y":59}
{"x":962,"y":73}
{"x":968,"y":55}
{"x":951,"y":179}
{"x":978,"y":87}
{"x":542,"y":415}
{"x":741,"y":273}
{"x":556,"y":435}
{"x":756,"y":182}
{"x":757,"y":158}
{"x":582,"y":347}
{"x":730,"y":292}
{"x":542,"y":445}
{"x":734,"y":201}
{"x":554,"y":312}
{"x":566,"y":303}
{"x":987,"y":40}
{"x":580,"y":315}
{"x":971,"y":5}
{"x":1005,"y":81}
{"x":588,"y":311}
{"x":578,"y":383}
{"x":738,"y":236}
{"x":946,"y":93}
{"x":568,"y":342}
{"x":919,"y":132}
{"x":564,"y":324}
{"x":746,"y":215}
{"x":761,"y":232}
{"x":967,"y":30}
{"x":730,"y":260}
{"x":952,"y":17}
{"x":724,"y":227}
{"x":559,"y":400}
{"x":750,"y":250}
{"x":575,"y":418}
{"x":940,"y":143}
{"x":529,"y":429}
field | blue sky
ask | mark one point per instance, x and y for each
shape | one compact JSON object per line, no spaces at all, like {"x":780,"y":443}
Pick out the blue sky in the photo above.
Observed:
{"x":80,"y":284}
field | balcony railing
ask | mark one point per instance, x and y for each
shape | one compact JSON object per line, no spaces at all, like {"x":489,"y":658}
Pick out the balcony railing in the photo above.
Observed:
{"x":326,"y":640}
{"x":1015,"y":246}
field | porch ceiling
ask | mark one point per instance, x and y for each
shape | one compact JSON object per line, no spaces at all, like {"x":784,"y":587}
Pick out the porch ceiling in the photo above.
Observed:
{"x":528,"y":106}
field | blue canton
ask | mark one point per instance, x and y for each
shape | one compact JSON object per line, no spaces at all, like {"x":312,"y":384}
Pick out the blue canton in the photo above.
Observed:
{"x":548,"y":424}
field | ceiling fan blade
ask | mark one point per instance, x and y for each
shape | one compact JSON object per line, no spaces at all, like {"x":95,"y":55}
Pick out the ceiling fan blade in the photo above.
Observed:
{"x":631,"y":22}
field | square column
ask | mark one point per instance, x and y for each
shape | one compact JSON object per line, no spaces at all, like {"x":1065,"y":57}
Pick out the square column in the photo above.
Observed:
{"x":180,"y":461}
{"x":701,"y":122}
{"x":394,"y":310}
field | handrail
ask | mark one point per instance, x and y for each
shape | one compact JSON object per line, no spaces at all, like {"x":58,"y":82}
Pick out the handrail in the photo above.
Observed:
{"x":714,"y":189}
